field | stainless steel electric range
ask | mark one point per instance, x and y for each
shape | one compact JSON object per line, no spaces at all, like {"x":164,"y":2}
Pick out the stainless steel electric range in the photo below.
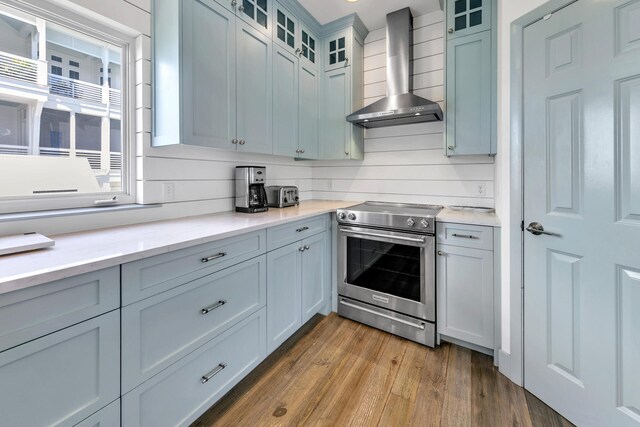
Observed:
{"x":386,"y":268}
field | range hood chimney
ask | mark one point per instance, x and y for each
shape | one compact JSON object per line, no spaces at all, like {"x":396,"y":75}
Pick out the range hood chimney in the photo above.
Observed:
{"x":400,"y":106}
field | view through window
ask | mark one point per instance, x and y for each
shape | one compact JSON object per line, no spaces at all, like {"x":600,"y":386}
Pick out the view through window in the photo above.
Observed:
{"x":60,"y":110}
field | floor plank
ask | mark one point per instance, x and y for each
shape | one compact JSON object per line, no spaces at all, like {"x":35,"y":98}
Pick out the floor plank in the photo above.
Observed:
{"x":335,"y":372}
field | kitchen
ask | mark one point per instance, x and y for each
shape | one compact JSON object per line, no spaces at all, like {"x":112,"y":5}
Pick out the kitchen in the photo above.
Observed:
{"x":161,"y":297}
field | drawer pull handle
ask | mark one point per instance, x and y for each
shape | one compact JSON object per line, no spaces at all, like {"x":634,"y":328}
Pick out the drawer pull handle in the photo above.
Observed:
{"x":213,"y":307}
{"x":300,"y":230}
{"x":464,"y":236}
{"x":206,"y":377}
{"x":212,"y":257}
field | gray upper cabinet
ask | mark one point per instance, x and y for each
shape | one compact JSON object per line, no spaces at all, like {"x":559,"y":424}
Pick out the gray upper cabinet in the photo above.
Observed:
{"x":310,"y":47}
{"x":214,"y":85}
{"x":470,"y":78}
{"x":469,"y":101}
{"x":209,"y":78}
{"x":285,"y":102}
{"x":254,"y":90}
{"x":286,"y":29}
{"x":308,"y":110}
{"x":466,"y":17}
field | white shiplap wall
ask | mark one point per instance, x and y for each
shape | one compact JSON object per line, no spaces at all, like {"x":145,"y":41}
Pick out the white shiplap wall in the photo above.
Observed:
{"x":407,"y":163}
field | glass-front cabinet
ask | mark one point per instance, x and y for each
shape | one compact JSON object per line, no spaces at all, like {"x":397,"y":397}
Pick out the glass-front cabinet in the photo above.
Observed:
{"x":256,"y":13}
{"x":285,"y":29}
{"x":309,"y":47}
{"x":466,"y":17}
{"x":338,"y":50}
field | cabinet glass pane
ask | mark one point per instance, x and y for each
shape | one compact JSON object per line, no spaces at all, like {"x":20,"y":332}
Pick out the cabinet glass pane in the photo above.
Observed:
{"x":262,"y":19}
{"x":262,"y":4}
{"x":474,"y":4}
{"x":332,"y":58}
{"x":341,"y":56}
{"x":332,"y":46}
{"x":384,"y":267}
{"x":281,"y":18}
{"x":461,"y":22}
{"x":312,"y":43}
{"x":290,"y":26}
{"x":305,"y":51}
{"x":461,"y":6}
{"x":248,"y":8}
{"x":290,"y":40}
{"x":312,"y":57}
{"x":475,"y":18}
{"x":281,"y":34}
{"x":341,"y":43}
{"x":305,"y":37}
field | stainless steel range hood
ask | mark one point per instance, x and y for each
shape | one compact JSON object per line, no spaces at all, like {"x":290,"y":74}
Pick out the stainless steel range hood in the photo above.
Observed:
{"x":400,"y":106}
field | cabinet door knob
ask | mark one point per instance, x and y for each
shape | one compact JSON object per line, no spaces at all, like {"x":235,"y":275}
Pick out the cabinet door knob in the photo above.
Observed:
{"x":234,"y":141}
{"x":440,"y":253}
{"x":346,"y":153}
{"x":298,"y":51}
{"x":234,"y":3}
{"x":302,"y":151}
{"x":450,"y":31}
{"x":242,"y":142}
{"x":451,"y":147}
{"x":241,"y":8}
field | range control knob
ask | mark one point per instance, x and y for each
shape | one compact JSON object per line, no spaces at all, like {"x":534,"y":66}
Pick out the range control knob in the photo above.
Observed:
{"x":411,"y":222}
{"x":352,"y":216}
{"x":424,"y":223}
{"x":341,"y":215}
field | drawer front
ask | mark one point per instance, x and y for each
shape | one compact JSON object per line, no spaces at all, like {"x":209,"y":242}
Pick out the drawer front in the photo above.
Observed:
{"x":181,"y":394}
{"x":467,"y":236}
{"x":162,"y":329}
{"x":106,"y":417}
{"x":285,"y":234}
{"x":62,"y":378}
{"x":40,"y":310}
{"x":150,"y":276}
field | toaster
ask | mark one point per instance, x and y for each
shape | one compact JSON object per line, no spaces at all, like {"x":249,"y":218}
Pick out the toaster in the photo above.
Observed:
{"x":281,"y":196}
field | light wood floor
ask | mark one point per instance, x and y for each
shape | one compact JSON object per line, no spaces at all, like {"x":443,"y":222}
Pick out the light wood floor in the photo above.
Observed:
{"x":335,"y":372}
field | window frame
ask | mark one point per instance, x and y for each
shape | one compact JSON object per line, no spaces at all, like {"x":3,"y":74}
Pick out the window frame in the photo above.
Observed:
{"x":66,"y":17}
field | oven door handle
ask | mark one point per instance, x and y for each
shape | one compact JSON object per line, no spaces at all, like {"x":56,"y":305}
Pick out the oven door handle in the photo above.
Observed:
{"x":421,"y":326}
{"x":399,"y":238}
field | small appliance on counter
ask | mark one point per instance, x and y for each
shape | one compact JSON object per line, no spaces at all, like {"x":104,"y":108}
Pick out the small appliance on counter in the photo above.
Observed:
{"x":282,"y":196}
{"x":251,"y":196}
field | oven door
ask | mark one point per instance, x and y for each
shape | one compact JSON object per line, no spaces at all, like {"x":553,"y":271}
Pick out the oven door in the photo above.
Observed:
{"x":388,"y":269}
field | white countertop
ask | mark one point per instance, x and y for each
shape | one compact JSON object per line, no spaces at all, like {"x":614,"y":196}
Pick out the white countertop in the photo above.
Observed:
{"x":87,"y":251}
{"x":468,"y":216}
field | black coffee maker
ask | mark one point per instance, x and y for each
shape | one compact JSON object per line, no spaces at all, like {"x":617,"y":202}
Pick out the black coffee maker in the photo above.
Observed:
{"x":251,"y":196}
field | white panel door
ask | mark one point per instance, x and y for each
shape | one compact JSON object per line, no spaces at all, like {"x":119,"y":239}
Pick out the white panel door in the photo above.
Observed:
{"x":582,"y":183}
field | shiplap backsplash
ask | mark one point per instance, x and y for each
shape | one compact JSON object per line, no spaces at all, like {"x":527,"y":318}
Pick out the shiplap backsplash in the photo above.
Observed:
{"x":407,"y":163}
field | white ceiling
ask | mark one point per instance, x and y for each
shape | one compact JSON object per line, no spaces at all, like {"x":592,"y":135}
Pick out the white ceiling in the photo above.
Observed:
{"x":372,"y":12}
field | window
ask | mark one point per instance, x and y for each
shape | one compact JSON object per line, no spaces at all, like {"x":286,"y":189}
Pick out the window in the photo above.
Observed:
{"x":72,"y":146}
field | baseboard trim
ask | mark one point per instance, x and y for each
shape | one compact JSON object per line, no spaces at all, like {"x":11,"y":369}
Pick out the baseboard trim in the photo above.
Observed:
{"x":506,"y":367}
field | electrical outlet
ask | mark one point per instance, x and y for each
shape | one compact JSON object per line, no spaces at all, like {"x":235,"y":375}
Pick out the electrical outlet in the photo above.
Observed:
{"x":168,"y":192}
{"x":481,"y":189}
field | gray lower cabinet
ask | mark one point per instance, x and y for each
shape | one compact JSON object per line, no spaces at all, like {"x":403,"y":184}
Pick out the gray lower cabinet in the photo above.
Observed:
{"x":160,"y":330}
{"x":465,"y":280}
{"x":182,"y":392}
{"x":297,"y":286}
{"x":62,"y":378}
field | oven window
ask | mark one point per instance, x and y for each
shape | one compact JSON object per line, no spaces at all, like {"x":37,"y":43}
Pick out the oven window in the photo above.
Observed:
{"x":384,"y":267}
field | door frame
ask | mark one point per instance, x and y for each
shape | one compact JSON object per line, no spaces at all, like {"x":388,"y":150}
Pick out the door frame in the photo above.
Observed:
{"x":512,"y":364}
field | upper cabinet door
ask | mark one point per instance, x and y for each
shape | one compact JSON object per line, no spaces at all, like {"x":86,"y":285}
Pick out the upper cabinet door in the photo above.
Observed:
{"x":254,"y":88}
{"x":466,"y":17}
{"x":308,"y":111}
{"x":337,"y":50}
{"x":469,"y":101}
{"x":335,"y":140}
{"x":309,"y":47}
{"x":256,"y":13}
{"x":286,"y":31}
{"x":285,"y":103}
{"x":209,"y":75}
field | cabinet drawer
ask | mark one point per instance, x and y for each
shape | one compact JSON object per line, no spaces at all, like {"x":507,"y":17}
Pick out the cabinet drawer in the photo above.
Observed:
{"x":30,"y":313}
{"x":284,"y":234}
{"x":106,"y":417}
{"x":180,"y":394}
{"x":62,"y":378}
{"x":150,"y":276}
{"x":468,"y":236}
{"x":162,"y":329}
